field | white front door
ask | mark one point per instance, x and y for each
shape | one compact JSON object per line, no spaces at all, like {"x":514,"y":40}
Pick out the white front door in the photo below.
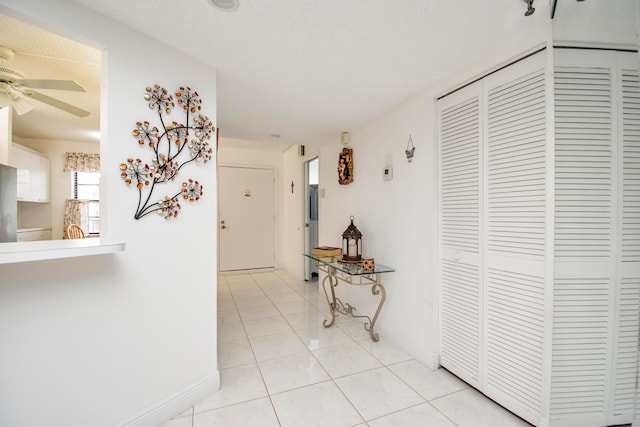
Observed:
{"x":247,"y":217}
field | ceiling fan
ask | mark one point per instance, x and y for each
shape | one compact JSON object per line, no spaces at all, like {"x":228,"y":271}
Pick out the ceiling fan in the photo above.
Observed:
{"x":15,"y":89}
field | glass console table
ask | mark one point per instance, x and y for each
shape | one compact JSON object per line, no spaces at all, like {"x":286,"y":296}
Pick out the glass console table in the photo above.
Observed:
{"x":351,"y":274}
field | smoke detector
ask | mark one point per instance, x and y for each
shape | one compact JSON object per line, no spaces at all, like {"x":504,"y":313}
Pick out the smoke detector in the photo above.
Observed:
{"x":225,"y":5}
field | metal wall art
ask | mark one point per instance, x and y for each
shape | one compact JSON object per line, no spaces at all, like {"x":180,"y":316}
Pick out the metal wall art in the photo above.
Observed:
{"x":345,"y":166}
{"x":169,"y":144}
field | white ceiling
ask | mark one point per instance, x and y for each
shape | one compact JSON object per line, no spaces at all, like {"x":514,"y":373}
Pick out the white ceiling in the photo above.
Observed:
{"x":306,"y":70}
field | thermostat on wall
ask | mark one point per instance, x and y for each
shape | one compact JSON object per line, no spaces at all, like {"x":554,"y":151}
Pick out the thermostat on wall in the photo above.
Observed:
{"x":387,"y":174}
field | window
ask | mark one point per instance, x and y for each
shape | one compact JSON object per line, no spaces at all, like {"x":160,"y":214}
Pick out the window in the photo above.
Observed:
{"x":86,"y":186}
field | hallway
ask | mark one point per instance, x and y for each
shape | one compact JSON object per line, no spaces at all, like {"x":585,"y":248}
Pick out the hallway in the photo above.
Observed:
{"x":280,"y":367}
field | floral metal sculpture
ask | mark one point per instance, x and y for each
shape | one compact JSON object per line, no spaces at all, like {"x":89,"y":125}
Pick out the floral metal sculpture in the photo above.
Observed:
{"x":175,"y":140}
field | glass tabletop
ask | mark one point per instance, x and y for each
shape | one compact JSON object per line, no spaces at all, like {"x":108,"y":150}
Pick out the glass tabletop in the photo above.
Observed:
{"x":349,"y":268}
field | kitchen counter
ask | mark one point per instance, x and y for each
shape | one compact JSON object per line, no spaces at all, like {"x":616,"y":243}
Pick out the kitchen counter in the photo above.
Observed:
{"x":13,"y":252}
{"x":24,"y":230}
{"x":33,"y":233}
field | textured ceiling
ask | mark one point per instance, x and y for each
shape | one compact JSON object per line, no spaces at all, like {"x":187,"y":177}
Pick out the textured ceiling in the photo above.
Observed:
{"x":308,"y":69}
{"x":42,"y":55}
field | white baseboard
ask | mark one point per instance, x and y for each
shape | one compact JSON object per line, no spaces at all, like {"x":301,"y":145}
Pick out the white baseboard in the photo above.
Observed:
{"x":174,"y":405}
{"x":414,"y":348}
{"x":251,"y":271}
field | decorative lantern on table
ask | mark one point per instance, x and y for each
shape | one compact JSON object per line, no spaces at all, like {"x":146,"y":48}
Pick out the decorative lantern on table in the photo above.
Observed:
{"x":352,"y":244}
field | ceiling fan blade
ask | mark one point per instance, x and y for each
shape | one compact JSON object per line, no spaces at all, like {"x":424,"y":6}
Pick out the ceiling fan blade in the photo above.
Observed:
{"x":56,"y":103}
{"x":21,"y":105}
{"x":51,"y":84}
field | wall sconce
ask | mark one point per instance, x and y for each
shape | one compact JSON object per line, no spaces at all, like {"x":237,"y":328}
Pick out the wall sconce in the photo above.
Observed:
{"x":352,"y":244}
{"x":410,"y":149}
{"x":530,"y":8}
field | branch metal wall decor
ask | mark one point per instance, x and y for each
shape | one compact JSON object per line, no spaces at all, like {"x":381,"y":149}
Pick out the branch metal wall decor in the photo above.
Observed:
{"x":173,"y":141}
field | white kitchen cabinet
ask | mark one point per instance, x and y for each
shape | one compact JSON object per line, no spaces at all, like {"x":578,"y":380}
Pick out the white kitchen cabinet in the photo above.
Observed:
{"x":34,"y":234}
{"x":34,"y":170}
{"x":539,"y":245}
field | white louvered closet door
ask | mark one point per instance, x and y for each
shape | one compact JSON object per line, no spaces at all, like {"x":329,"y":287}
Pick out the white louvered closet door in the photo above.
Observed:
{"x":514,"y":270}
{"x":628,"y":264}
{"x":460,"y":299}
{"x":596,"y":283}
{"x":630,"y":261}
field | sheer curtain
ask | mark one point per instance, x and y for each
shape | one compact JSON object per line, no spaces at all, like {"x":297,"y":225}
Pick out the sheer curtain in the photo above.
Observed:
{"x":77,"y":211}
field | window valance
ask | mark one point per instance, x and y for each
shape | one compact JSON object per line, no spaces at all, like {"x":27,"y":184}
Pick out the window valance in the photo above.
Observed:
{"x":81,"y":162}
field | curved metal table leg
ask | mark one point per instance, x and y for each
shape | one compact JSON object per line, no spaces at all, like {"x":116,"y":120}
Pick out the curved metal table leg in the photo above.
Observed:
{"x":337,"y":307}
{"x":332,"y":302}
{"x":376,"y":289}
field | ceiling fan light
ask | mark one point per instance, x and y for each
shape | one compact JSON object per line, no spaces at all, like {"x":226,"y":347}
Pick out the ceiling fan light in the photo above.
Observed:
{"x":225,"y":5}
{"x":5,"y":99}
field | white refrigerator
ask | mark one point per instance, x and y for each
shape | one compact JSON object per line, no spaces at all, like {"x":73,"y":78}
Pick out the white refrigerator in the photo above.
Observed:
{"x":8,"y":203}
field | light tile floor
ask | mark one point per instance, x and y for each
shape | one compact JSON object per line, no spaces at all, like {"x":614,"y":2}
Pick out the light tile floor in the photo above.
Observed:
{"x":280,"y":367}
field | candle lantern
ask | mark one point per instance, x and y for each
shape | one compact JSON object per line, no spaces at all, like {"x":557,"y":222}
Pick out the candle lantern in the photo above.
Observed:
{"x":352,"y":243}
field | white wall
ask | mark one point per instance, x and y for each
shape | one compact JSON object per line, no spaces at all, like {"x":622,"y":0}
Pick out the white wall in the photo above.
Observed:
{"x":129,"y":338}
{"x":232,"y":156}
{"x":294,"y":214}
{"x":398,"y":218}
{"x":606,"y":24}
{"x":31,"y":214}
{"x":289,"y":206}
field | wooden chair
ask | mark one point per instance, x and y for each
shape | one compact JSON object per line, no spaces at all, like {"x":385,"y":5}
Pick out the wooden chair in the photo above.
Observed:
{"x":73,"y":231}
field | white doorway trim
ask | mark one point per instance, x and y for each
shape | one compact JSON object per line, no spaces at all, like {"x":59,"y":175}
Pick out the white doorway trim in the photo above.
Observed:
{"x":310,"y":212}
{"x":241,"y":216}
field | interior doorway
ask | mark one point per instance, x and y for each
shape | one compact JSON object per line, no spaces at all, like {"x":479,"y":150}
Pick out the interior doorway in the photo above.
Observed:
{"x":246,"y":203}
{"x":311,"y":215}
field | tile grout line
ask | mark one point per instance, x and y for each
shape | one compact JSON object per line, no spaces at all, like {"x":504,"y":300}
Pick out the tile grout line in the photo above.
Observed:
{"x":308,"y":299}
{"x":255,"y":361}
{"x":264,"y":383}
{"x":331,"y":378}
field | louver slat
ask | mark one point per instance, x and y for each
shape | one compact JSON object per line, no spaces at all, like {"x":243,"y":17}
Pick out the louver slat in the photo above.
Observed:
{"x":460,"y":320}
{"x":584,"y":245}
{"x":626,"y":346}
{"x":631,"y":166}
{"x":580,"y":331}
{"x":626,"y":351}
{"x":459,"y":185}
{"x":516,"y":167}
{"x":515,"y":330}
{"x":459,"y":134}
{"x":516,"y":234}
{"x":583,"y":167}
